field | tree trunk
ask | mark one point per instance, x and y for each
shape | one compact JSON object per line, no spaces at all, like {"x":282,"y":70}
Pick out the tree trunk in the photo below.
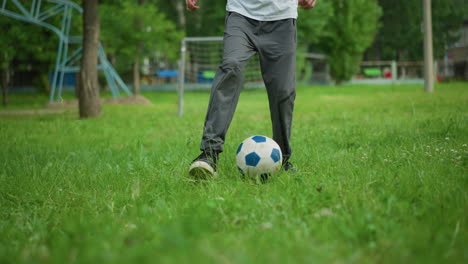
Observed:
{"x":181,"y":14}
{"x":136,"y":61}
{"x":89,"y":101}
{"x":136,"y":75}
{"x":77,"y":85}
{"x":5,"y":84}
{"x":43,"y":83}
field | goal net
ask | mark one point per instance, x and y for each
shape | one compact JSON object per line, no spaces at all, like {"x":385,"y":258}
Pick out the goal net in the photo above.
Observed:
{"x":201,"y":58}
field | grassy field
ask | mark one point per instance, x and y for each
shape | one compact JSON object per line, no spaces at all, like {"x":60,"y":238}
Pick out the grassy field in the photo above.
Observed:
{"x":382,"y":178}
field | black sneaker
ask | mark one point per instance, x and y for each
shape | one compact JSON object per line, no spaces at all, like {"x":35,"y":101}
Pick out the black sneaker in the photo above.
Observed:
{"x":204,"y":166}
{"x":288,"y":167}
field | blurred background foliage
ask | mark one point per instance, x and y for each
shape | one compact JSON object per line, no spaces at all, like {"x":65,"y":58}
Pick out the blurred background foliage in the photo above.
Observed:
{"x":344,"y":30}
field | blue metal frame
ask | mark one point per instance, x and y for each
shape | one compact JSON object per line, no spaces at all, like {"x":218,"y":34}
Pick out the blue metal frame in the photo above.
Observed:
{"x":38,"y":14}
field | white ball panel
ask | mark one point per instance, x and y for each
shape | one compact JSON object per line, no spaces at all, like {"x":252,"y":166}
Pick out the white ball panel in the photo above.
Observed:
{"x":264,"y":150}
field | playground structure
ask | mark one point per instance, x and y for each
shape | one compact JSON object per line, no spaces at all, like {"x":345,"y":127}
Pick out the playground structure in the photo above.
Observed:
{"x":41,"y":12}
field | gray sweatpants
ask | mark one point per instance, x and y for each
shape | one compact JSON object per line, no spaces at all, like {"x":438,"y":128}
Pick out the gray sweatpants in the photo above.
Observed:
{"x":275,"y":42}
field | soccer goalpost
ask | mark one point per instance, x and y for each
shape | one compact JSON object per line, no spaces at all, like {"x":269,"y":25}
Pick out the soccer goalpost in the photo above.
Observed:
{"x":200,"y":59}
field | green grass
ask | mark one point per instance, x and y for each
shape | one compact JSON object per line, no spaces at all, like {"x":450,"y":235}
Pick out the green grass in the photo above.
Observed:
{"x":382,"y":178}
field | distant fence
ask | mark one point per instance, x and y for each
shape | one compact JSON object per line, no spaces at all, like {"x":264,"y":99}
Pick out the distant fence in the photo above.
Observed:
{"x":382,"y":72}
{"x":370,"y":72}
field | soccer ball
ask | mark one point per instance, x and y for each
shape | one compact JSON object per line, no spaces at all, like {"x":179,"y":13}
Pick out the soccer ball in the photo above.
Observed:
{"x":259,"y":156}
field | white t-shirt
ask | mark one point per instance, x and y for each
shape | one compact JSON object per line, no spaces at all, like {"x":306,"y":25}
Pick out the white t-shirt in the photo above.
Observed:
{"x":264,"y":10}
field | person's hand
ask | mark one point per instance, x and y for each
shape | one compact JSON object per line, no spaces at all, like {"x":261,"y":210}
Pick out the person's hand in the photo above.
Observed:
{"x":192,"y":5}
{"x":307,"y":4}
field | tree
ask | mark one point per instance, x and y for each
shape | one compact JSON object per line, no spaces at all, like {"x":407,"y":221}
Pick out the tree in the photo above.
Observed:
{"x":349,"y":32}
{"x":447,"y":20}
{"x":139,"y":26}
{"x":7,"y":53}
{"x":5,"y":80}
{"x":25,"y":46}
{"x":312,"y":23}
{"x":311,"y":26}
{"x":401,"y":36}
{"x":88,"y":93}
{"x":207,"y":21}
{"x":150,"y":35}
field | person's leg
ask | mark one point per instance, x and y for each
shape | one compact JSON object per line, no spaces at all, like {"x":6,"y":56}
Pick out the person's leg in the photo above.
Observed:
{"x":228,"y":82}
{"x":277,"y":50}
{"x":238,"y":48}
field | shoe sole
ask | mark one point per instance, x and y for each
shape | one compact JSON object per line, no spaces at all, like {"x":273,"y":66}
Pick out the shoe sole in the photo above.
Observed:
{"x":201,"y":170}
